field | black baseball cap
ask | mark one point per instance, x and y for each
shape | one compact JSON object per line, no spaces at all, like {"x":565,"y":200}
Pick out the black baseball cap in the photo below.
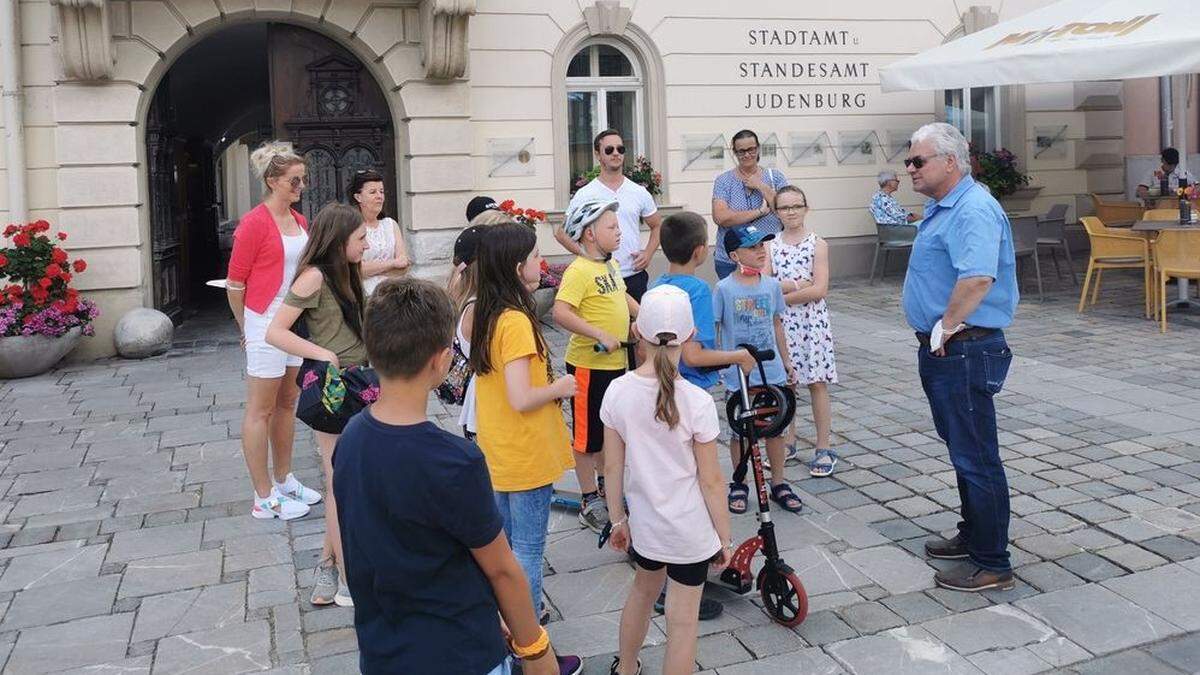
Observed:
{"x":745,"y":237}
{"x":478,"y":205}
{"x":466,"y":247}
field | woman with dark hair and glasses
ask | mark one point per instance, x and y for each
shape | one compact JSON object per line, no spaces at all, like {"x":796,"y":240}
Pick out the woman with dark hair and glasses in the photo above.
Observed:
{"x":743,"y":196}
{"x":386,"y":255}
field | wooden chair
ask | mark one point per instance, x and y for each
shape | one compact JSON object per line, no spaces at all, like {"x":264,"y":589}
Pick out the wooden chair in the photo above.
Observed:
{"x":1176,"y":255}
{"x":1113,"y":248}
{"x":891,"y":238}
{"x":1025,"y":247}
{"x":1052,"y":235}
{"x":1116,"y":212}
{"x":1161,"y":214}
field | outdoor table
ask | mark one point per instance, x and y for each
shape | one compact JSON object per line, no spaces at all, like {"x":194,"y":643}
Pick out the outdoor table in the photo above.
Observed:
{"x":1158,"y":226}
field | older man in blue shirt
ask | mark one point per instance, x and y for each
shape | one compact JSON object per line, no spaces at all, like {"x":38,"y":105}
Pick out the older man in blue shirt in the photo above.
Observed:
{"x":959,"y":295}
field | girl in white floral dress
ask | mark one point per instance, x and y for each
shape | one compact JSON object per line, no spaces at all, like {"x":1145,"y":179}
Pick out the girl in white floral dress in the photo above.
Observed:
{"x":800,"y":259}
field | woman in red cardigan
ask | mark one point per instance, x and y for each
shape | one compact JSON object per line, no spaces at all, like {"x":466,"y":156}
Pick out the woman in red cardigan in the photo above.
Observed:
{"x":267,"y":245}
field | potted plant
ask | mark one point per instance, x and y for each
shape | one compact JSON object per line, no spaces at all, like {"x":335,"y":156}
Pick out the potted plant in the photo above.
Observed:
{"x":641,"y":172}
{"x":999,"y":172}
{"x":41,"y":316}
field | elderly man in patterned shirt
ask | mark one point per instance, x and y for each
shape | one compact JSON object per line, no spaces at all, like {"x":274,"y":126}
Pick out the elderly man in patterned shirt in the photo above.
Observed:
{"x":885,"y":208}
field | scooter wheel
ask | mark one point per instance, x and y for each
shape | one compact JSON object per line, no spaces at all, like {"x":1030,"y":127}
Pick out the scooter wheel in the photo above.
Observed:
{"x":783,"y":596}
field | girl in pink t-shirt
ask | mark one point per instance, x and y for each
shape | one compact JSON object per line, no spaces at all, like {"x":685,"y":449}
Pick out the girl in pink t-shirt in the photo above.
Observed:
{"x":661,"y":454}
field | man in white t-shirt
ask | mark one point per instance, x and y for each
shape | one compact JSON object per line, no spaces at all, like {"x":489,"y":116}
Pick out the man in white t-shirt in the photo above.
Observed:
{"x":1169,"y":170}
{"x":635,"y":206}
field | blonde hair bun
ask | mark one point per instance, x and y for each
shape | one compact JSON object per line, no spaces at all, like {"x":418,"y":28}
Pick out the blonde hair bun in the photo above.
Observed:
{"x":273,"y":157}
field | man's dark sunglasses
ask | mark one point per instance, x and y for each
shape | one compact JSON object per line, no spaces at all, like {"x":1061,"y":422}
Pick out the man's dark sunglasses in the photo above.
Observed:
{"x":619,"y":149}
{"x":917,"y":162}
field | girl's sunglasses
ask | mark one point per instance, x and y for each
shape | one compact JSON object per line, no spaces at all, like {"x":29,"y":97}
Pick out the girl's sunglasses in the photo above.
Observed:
{"x":619,"y":149}
{"x":917,"y":162}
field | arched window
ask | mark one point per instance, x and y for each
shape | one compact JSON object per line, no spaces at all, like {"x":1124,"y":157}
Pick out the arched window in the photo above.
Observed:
{"x":604,"y":91}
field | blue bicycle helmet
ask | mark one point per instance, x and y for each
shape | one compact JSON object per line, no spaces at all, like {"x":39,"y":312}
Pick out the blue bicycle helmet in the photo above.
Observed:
{"x":581,"y":214}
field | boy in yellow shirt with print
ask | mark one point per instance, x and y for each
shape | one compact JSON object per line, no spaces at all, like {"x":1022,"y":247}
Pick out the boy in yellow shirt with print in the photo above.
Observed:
{"x":592,"y":304}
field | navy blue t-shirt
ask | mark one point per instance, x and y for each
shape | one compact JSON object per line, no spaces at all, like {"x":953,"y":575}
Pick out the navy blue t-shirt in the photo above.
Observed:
{"x":412,"y":503}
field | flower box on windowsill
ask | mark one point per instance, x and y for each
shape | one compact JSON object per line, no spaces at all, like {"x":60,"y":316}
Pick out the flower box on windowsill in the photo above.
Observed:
{"x":1021,"y":200}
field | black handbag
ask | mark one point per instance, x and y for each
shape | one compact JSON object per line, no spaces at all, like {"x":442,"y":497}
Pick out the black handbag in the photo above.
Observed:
{"x":330,"y":396}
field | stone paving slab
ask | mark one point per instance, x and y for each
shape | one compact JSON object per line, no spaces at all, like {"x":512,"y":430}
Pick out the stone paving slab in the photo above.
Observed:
{"x":126,"y":546}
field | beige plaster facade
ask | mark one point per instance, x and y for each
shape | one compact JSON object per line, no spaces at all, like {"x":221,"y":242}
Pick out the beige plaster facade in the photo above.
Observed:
{"x":460,"y":76}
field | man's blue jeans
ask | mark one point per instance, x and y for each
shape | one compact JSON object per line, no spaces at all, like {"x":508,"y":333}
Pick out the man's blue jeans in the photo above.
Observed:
{"x":526,"y":515}
{"x":960,"y":387}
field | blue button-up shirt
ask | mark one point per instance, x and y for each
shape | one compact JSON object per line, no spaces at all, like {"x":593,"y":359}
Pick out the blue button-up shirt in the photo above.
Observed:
{"x":965,"y":234}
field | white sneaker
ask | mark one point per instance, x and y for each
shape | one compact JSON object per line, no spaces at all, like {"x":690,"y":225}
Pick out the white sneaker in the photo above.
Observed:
{"x":294,"y":489}
{"x":277,"y":506}
{"x":342,"y":597}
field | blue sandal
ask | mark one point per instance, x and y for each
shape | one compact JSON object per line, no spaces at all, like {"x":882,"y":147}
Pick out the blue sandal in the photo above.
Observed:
{"x":787,"y":500}
{"x":822,"y":463}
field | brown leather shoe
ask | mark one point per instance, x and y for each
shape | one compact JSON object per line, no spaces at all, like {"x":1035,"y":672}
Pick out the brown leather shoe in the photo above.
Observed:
{"x":947,"y":549}
{"x":971,"y":578}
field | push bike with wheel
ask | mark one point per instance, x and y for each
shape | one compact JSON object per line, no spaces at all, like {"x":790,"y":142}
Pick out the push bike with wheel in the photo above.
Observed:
{"x":761,"y":412}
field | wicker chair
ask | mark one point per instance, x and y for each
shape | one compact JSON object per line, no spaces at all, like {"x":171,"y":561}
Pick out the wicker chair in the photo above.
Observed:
{"x":1116,"y":212}
{"x":1113,"y":248}
{"x":1176,"y":254}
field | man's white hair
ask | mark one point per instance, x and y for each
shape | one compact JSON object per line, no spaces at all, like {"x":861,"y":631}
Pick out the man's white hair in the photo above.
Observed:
{"x":946,"y":139}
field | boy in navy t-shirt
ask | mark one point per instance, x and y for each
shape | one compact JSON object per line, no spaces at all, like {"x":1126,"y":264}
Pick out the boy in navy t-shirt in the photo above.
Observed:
{"x":426,"y":558}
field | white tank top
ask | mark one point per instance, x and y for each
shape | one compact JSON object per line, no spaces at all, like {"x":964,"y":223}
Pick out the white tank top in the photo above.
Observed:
{"x":293,"y":248}
{"x":381,"y":245}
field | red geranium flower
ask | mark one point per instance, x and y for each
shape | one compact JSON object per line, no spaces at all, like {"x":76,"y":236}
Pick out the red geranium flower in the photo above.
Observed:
{"x":80,"y":266}
{"x":62,"y":236}
{"x":10,"y":230}
{"x":53,"y":270}
{"x":44,"y":282}
{"x":40,"y":226}
{"x":66,"y":277}
{"x":21,"y":240}
{"x":40,"y":295}
{"x":3,"y":260}
{"x":58,"y":255}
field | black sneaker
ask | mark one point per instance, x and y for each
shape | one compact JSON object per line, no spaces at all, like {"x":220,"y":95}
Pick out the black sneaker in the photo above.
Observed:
{"x":947,"y":549}
{"x":612,"y":670}
{"x":970,"y":578}
{"x":709,"y":609}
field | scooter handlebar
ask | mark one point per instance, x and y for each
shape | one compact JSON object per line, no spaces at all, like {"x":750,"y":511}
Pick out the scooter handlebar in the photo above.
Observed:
{"x":759,"y":355}
{"x":600,"y":348}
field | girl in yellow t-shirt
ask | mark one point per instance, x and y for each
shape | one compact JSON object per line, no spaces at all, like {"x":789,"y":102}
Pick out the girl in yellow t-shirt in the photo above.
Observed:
{"x":518,"y":416}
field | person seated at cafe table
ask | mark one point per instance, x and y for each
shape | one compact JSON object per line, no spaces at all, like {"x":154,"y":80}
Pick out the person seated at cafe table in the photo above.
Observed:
{"x":886,"y":208}
{"x":1170,"y":170}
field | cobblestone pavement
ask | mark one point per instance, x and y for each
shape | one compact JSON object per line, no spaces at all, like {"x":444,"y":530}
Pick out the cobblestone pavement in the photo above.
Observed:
{"x":127,"y":544}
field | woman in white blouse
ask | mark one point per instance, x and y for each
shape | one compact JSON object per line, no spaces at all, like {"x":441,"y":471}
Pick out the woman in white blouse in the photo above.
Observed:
{"x":386,"y":254}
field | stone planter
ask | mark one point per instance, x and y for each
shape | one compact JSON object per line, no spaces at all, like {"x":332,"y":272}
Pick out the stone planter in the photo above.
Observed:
{"x":28,"y":355}
{"x":543,"y":300}
{"x":1021,"y":200}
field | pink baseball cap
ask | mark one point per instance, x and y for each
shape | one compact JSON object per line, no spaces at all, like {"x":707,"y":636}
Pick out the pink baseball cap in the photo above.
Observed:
{"x":665,"y":316}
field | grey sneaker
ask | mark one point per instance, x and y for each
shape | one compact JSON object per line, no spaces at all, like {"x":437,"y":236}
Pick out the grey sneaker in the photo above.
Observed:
{"x":594,"y":514}
{"x":326,"y":586}
{"x":342,"y":597}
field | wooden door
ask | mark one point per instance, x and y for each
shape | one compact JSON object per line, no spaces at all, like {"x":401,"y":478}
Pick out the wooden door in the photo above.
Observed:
{"x":166,"y":243}
{"x":331,"y":108}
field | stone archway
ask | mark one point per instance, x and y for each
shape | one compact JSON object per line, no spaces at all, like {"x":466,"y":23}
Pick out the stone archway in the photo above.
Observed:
{"x":115,"y":55}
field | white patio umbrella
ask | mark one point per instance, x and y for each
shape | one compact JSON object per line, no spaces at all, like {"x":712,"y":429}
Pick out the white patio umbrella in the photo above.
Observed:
{"x":1068,"y":41}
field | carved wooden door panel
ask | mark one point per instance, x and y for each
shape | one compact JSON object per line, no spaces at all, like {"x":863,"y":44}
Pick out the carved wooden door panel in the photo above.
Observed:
{"x":165,"y":240}
{"x":331,"y":108}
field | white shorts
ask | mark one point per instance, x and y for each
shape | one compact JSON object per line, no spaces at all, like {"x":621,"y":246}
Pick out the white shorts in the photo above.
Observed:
{"x":263,"y":360}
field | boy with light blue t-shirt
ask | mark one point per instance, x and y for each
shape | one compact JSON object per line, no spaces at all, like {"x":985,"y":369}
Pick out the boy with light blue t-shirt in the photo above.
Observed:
{"x":748,"y":307}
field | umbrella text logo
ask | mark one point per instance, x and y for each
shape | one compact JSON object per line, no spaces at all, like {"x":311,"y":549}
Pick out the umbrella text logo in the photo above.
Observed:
{"x":1076,"y":30}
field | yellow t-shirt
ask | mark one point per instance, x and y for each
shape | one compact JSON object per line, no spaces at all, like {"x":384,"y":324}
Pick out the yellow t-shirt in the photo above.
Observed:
{"x":523,"y":450}
{"x":597,"y":292}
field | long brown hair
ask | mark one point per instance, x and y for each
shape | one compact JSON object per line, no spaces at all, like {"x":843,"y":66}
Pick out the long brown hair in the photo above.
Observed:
{"x":666,"y":410}
{"x":328,"y":235}
{"x":498,"y":288}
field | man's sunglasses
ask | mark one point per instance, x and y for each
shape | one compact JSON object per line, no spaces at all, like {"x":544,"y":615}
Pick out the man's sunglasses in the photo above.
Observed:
{"x":917,"y":162}
{"x":619,"y":149}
